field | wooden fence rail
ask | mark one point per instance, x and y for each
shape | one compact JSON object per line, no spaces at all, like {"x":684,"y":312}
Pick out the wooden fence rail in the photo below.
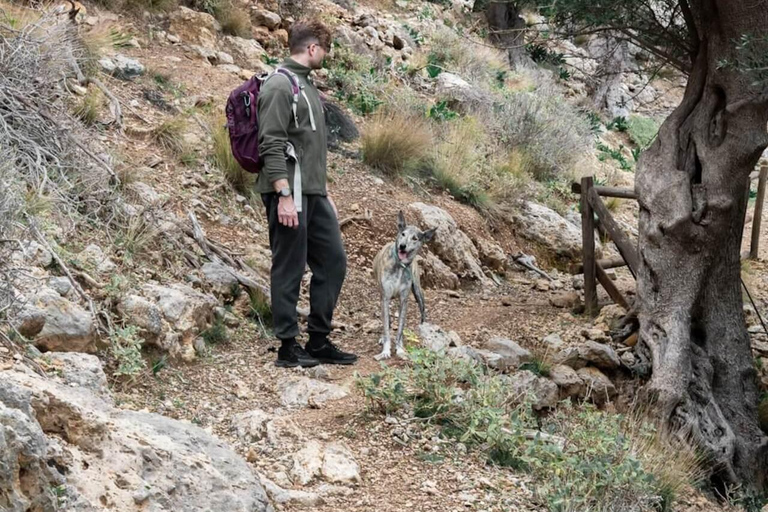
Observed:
{"x":594,"y":270}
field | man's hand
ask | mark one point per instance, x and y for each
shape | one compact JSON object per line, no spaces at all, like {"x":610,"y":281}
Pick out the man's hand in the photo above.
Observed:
{"x":333,"y":205}
{"x":286,"y":212}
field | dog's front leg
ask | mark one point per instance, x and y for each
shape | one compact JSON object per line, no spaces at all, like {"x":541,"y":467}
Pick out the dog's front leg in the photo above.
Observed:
{"x":386,"y":351}
{"x":399,"y":350}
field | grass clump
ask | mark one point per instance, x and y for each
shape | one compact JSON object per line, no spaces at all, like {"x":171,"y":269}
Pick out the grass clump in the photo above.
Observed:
{"x":170,"y":135}
{"x":580,"y":458}
{"x":394,"y":144}
{"x":216,"y":333}
{"x":89,"y":107}
{"x":240,"y":179}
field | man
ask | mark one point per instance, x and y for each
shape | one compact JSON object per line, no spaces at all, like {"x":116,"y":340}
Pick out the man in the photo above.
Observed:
{"x":303,"y":221}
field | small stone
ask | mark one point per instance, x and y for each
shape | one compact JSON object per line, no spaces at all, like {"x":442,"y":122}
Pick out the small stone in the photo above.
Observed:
{"x":339,"y":465}
{"x":567,"y":380}
{"x":506,"y":301}
{"x":628,"y":359}
{"x":542,"y":285}
{"x":173,"y":38}
{"x":554,"y":342}
{"x":565,"y":299}
{"x":602,"y":356}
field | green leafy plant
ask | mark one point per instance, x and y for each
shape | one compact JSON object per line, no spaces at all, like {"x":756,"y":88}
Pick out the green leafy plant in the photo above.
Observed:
{"x":125,"y":346}
{"x":618,"y":124}
{"x":580,"y":459}
{"x":615,"y":154}
{"x":440,"y":111}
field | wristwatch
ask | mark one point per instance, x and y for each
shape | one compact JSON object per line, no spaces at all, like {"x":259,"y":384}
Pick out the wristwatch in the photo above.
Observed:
{"x":285,"y":192}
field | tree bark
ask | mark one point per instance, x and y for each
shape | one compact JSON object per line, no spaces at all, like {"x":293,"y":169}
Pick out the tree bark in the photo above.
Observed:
{"x":691,"y":186}
{"x":508,"y":31}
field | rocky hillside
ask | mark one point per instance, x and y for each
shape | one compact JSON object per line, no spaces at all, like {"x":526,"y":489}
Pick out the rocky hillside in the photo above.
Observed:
{"x":136,"y":357}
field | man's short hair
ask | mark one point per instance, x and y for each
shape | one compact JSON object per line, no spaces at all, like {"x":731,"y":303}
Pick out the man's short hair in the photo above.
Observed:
{"x":304,"y":33}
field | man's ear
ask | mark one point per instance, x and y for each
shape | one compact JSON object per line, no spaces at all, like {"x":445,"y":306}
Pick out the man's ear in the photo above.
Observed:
{"x":428,"y":235}
{"x":400,"y":221}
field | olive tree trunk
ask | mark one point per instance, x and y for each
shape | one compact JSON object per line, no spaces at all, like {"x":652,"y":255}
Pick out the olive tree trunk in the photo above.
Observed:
{"x":692,"y":185}
{"x":508,"y":31}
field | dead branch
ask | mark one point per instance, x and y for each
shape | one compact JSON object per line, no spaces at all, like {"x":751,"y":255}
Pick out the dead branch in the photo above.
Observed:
{"x":528,"y":262}
{"x":72,"y":139}
{"x":14,"y":347}
{"x":367,"y":217}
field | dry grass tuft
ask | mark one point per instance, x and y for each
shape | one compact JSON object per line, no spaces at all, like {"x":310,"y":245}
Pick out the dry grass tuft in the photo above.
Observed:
{"x":395,"y":144}
{"x":170,"y":135}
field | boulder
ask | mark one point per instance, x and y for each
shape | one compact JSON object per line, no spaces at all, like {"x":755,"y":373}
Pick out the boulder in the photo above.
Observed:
{"x":435,"y":273}
{"x":550,"y":230}
{"x":450,"y":243}
{"x":35,"y":254}
{"x":553,"y":342}
{"x":194,"y":27}
{"x":569,"y":356}
{"x":491,"y":254}
{"x":597,"y":387}
{"x":145,"y":315}
{"x":265,"y":18}
{"x":220,"y":278}
{"x":567,"y":380}
{"x":456,"y":90}
{"x":247,"y":53}
{"x":53,"y":323}
{"x":512,"y":354}
{"x":62,"y":285}
{"x":64,"y":434}
{"x":599,"y":355}
{"x":525,"y":384}
{"x":93,"y":255}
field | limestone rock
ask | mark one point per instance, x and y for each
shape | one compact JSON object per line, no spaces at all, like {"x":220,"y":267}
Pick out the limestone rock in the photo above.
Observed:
{"x":542,"y":391}
{"x":599,"y":355}
{"x":491,"y":254}
{"x":567,"y":380}
{"x":436,"y":339}
{"x":247,"y":53}
{"x":435,"y":273}
{"x":60,"y":285}
{"x":565,"y":300}
{"x":550,"y":230}
{"x":282,"y":496}
{"x":457,"y":90}
{"x":265,"y":18}
{"x":597,"y":387}
{"x":450,"y":243}
{"x":251,"y":426}
{"x":307,"y":463}
{"x":142,"y":458}
{"x":569,"y":356}
{"x":301,"y":391}
{"x":512,"y":354}
{"x":35,"y":254}
{"x":122,"y":67}
{"x":53,"y":323}
{"x":220,"y":278}
{"x":194,"y":27}
{"x":144,"y":314}
{"x":339,"y":465}
{"x":554,"y":342}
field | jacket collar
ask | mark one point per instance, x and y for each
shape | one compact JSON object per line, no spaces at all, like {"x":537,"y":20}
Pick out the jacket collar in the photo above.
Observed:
{"x":295,"y":67}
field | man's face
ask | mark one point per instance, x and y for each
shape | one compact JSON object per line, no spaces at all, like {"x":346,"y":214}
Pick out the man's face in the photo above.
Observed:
{"x":317,"y":55}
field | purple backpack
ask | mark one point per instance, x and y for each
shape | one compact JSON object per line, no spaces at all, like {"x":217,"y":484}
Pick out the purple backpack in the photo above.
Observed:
{"x":243,"y":119}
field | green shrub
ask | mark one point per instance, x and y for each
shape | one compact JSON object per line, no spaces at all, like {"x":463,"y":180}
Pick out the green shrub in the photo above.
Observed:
{"x":580,"y":458}
{"x":125,"y":346}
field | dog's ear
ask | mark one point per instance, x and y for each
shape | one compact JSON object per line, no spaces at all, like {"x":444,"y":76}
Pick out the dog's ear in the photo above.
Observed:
{"x":428,"y":235}
{"x":400,"y":221}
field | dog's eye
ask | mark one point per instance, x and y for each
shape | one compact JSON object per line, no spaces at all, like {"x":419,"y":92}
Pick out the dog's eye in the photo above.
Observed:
{"x":414,"y":238}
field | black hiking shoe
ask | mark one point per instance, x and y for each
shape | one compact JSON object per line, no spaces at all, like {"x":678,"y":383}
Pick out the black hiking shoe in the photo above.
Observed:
{"x":328,"y":353}
{"x":291,"y":355}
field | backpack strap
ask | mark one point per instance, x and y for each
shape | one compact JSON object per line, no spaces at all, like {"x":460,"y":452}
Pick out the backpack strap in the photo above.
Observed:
{"x":295,"y":90}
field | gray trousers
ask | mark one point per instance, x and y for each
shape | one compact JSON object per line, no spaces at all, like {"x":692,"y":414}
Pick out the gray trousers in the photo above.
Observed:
{"x":317,"y":242}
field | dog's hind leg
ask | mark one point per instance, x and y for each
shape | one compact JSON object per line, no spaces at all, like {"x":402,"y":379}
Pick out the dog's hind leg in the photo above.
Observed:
{"x":399,"y":350}
{"x":386,"y":351}
{"x":419,"y":300}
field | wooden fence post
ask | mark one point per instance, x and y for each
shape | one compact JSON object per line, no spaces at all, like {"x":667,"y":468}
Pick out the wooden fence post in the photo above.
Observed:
{"x":588,"y":248}
{"x":755,"y":244}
